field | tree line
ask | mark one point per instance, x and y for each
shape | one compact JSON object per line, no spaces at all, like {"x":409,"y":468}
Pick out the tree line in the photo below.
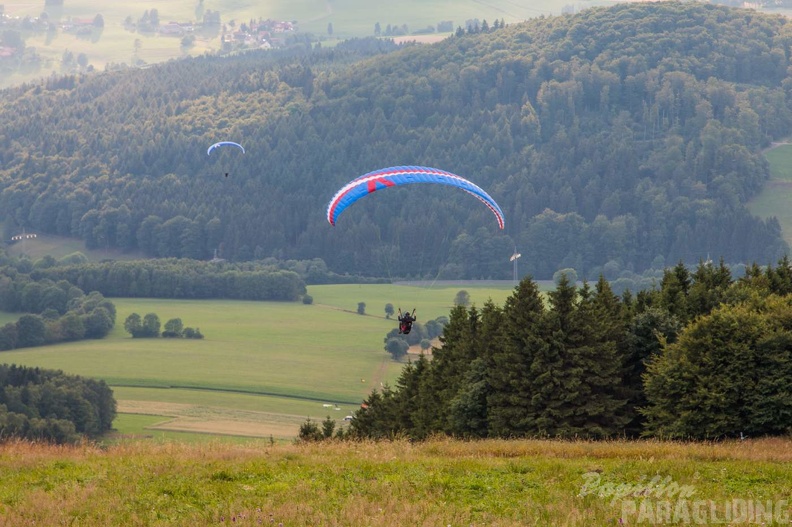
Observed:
{"x":661,"y":111}
{"x":702,"y":356}
{"x":55,"y":311}
{"x":181,"y":278}
{"x":48,"y":405}
{"x":149,"y":327}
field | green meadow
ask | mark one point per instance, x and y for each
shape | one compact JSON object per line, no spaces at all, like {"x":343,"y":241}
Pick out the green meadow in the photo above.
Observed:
{"x":776,"y":195}
{"x":263,"y":367}
{"x":60,"y":246}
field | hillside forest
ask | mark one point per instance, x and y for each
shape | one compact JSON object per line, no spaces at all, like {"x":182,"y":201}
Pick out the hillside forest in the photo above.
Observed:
{"x":618,"y":138}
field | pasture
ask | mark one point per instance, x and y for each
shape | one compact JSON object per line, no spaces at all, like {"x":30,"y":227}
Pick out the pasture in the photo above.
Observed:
{"x":776,"y":194}
{"x":263,"y":368}
{"x":60,"y":246}
{"x":117,"y":44}
{"x":438,"y":482}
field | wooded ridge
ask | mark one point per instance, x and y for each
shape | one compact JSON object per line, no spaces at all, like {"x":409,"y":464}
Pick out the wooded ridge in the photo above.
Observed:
{"x":628,"y":136}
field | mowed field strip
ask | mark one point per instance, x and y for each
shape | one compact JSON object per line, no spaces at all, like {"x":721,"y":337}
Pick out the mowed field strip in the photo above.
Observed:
{"x":264,"y":367}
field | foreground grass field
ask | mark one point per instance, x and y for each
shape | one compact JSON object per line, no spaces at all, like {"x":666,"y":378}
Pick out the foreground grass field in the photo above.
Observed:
{"x":263,"y":368}
{"x":438,"y":483}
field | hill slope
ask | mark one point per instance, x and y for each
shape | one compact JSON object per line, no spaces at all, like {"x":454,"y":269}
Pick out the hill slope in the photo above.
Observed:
{"x":626,"y":136}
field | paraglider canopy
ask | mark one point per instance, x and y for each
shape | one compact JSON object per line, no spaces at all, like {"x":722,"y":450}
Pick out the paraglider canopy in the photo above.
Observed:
{"x":224,"y":143}
{"x":404,"y":175}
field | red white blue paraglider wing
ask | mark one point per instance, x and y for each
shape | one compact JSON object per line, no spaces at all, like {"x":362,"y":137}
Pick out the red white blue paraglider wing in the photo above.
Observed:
{"x":224,"y":143}
{"x":404,"y":175}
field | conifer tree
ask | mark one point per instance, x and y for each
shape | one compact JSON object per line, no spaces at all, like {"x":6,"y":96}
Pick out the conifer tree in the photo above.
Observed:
{"x":555,"y":379}
{"x":449,"y":365}
{"x":780,"y":277}
{"x":674,"y":291}
{"x":600,"y":355}
{"x":510,"y":403}
{"x":376,"y":418}
{"x":709,"y":287}
{"x":647,"y":332}
{"x":407,"y":396}
{"x":469,"y":410}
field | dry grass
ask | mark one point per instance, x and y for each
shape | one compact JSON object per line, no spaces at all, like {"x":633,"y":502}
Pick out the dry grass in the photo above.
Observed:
{"x":439,"y":482}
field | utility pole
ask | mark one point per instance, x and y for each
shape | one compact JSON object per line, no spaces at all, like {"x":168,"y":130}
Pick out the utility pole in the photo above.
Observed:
{"x":513,"y":259}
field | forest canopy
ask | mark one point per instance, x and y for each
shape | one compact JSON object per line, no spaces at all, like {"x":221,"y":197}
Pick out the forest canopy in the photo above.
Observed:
{"x":627,"y":136}
{"x":48,"y":405}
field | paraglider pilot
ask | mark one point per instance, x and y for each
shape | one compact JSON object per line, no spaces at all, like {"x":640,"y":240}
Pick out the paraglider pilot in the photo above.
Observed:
{"x":405,"y":321}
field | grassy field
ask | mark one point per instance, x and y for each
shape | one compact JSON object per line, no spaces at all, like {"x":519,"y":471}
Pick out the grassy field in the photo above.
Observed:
{"x":5,"y":318}
{"x":775,"y":197}
{"x":349,"y":18}
{"x":443,"y":482}
{"x":60,"y":246}
{"x":263,"y":368}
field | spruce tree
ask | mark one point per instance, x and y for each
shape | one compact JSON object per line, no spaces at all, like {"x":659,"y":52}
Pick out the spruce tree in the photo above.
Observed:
{"x":407,"y":396}
{"x":469,"y":410}
{"x":674,"y":290}
{"x":647,"y":332}
{"x":709,"y":287}
{"x":600,"y":354}
{"x":510,"y":402}
{"x":449,"y":365}
{"x":555,"y":380}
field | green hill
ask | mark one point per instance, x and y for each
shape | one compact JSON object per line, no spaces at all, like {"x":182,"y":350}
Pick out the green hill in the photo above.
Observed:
{"x":619,"y":136}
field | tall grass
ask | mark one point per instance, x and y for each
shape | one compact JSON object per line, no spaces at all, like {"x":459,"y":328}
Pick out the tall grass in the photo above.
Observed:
{"x":440,"y":482}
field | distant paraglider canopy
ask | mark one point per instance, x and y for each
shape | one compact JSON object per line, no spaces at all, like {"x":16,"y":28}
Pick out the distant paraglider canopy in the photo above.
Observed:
{"x":404,"y":175}
{"x":224,"y":143}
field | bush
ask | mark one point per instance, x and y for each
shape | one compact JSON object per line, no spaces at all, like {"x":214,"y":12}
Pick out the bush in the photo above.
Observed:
{"x":570,"y":273}
{"x":309,"y":431}
{"x":307,"y":299}
{"x":396,"y":347}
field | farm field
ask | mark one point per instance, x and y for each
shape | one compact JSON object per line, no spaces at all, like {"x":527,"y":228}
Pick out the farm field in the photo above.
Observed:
{"x":263,"y":368}
{"x":115,"y":44}
{"x":439,"y":482}
{"x":776,"y":194}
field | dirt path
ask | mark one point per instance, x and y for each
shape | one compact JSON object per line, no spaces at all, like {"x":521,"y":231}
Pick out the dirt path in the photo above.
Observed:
{"x":377,"y":379}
